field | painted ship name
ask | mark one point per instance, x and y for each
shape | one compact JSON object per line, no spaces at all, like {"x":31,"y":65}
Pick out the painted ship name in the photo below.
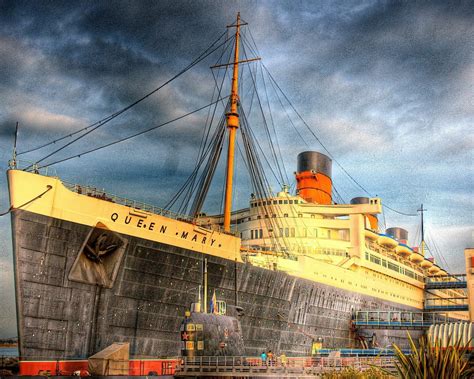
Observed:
{"x":151,"y":226}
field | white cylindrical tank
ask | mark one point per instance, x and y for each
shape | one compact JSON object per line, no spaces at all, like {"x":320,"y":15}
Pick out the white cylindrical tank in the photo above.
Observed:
{"x":453,"y":333}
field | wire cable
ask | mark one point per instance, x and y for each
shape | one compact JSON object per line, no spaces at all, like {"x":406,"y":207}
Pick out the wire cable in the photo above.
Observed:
{"x":48,"y":188}
{"x":131,"y":136}
{"x":104,"y":121}
{"x":326,"y":149}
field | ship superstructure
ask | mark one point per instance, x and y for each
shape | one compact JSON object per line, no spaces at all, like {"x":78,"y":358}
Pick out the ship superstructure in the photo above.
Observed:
{"x":92,"y":268}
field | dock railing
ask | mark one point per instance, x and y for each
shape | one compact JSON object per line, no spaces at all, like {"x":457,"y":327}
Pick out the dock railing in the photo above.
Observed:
{"x":244,"y":366}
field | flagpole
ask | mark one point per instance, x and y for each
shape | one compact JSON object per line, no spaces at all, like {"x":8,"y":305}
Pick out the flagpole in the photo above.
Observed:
{"x":205,"y":285}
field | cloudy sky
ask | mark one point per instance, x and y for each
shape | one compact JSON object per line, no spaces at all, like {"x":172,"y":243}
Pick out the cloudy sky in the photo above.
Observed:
{"x":387,"y":87}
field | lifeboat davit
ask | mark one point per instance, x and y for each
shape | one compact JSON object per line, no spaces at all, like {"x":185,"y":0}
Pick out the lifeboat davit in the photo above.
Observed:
{"x":387,"y":241}
{"x":433,"y":270}
{"x":416,"y":257}
{"x":426,"y":264}
{"x":369,"y":234}
{"x":404,"y":251}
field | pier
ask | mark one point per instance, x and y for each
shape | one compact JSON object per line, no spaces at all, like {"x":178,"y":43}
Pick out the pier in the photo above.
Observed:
{"x":292,"y":367}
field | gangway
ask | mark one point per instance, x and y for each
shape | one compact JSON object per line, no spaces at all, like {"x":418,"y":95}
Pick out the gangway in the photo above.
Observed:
{"x":452,"y":281}
{"x":446,"y":304}
{"x":398,"y":319}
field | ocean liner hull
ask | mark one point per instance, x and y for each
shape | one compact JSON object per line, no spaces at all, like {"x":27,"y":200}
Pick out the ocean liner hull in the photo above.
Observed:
{"x":152,"y":285}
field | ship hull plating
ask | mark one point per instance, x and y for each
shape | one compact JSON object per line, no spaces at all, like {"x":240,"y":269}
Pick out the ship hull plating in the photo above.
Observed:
{"x":61,"y":315}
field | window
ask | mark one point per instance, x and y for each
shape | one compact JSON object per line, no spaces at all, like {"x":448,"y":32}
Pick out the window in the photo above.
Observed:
{"x":292,"y":232}
{"x":392,"y":266}
{"x":275,"y":202}
{"x":300,"y":215}
{"x":315,"y":231}
{"x":285,"y":201}
{"x":374,"y":259}
{"x":261,"y":233}
{"x":281,"y":232}
{"x":251,"y":234}
{"x":287,"y":232}
{"x":291,"y":201}
{"x":285,"y":215}
{"x":280,"y":201}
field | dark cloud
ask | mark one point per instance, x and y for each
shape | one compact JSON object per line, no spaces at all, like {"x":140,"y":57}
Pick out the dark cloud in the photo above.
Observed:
{"x":387,"y":85}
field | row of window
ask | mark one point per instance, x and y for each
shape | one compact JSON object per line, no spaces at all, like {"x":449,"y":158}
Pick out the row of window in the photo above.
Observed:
{"x":256,"y":233}
{"x":342,"y":234}
{"x":259,"y":217}
{"x":392,"y":266}
{"x":274,"y":202}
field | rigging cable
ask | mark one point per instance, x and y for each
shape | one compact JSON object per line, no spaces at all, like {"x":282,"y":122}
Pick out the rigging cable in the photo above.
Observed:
{"x":267,"y":130}
{"x":104,"y":121}
{"x":48,"y":188}
{"x":327,"y":151}
{"x":131,"y":136}
{"x":113,"y":115}
{"x":191,"y":186}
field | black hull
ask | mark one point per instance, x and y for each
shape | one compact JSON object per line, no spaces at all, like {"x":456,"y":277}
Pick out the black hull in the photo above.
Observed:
{"x":155,"y":283}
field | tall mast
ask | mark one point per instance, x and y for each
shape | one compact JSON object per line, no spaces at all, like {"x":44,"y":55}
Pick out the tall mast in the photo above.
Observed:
{"x":232,"y":125}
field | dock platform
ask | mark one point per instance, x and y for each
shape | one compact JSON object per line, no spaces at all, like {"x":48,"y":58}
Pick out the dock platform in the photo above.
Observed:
{"x":293,"y":367}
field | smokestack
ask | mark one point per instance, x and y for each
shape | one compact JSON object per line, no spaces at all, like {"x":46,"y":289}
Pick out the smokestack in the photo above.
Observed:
{"x":400,"y":234}
{"x":373,"y":220}
{"x":313,"y":177}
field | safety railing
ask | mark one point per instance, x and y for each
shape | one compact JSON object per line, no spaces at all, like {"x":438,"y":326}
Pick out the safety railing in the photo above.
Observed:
{"x":241,"y":366}
{"x":452,"y":281}
{"x":107,"y":196}
{"x":447,"y":304}
{"x":398,"y":319}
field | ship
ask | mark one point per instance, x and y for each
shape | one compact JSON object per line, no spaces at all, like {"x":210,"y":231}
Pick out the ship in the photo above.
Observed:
{"x":92,"y":269}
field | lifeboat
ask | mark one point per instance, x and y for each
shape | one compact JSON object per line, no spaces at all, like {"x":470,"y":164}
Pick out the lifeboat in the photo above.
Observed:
{"x":416,"y":257}
{"x":404,"y":251}
{"x":369,"y":234}
{"x":426,"y":264}
{"x":433,"y":270}
{"x":387,"y":241}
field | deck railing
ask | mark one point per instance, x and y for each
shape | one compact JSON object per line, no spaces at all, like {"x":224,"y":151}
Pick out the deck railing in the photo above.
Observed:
{"x":103,"y":195}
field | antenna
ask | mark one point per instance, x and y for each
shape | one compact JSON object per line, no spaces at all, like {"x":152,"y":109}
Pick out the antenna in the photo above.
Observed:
{"x":422,"y":210}
{"x":13,"y":161}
